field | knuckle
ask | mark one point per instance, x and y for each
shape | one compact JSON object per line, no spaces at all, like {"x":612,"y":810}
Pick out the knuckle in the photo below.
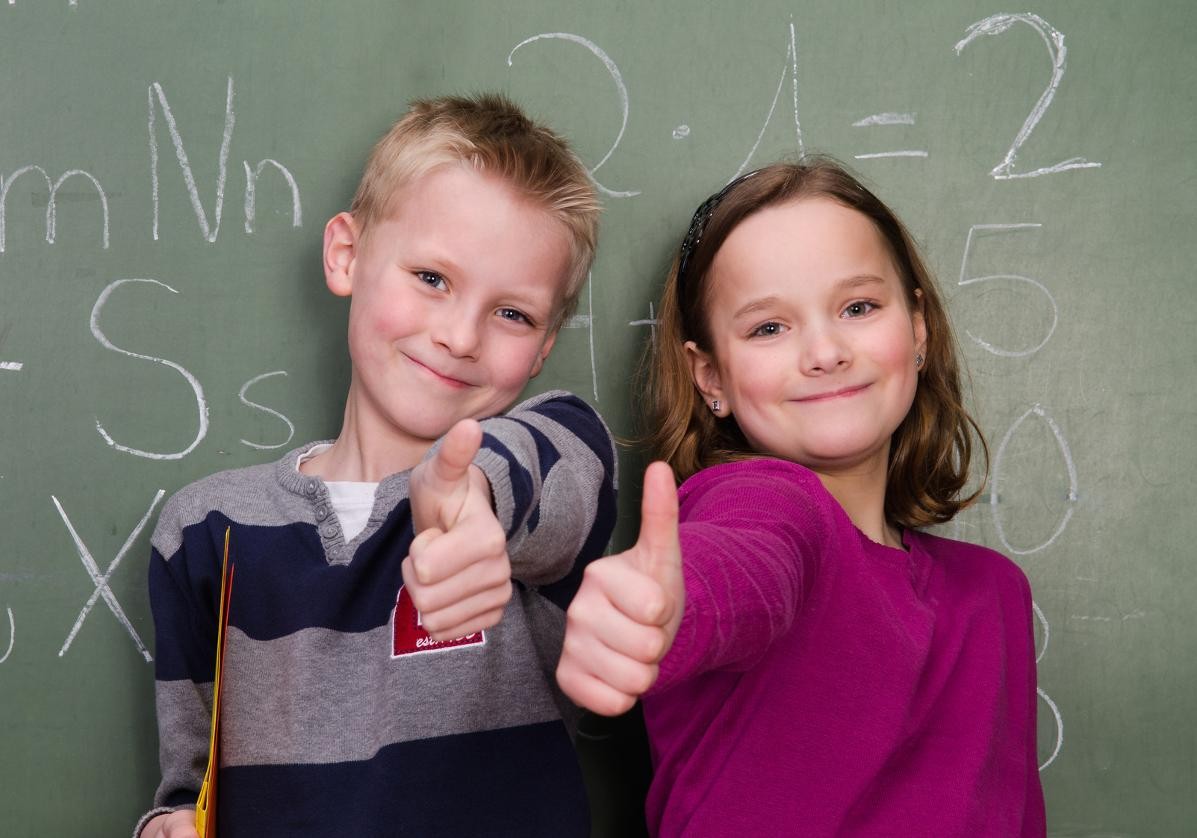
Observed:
{"x":653,"y":606}
{"x":617,"y":705}
{"x":643,"y":678}
{"x":488,"y":620}
{"x":653,"y":648}
{"x":494,"y":541}
{"x":433,"y":622}
{"x":593,"y":573}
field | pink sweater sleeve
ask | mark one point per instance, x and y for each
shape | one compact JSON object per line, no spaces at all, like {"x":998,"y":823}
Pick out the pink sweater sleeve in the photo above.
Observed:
{"x":751,"y":534}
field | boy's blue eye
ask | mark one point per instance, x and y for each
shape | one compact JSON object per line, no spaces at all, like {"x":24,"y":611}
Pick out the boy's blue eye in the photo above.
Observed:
{"x":432,"y":278}
{"x":514,"y":315}
{"x":859,"y":308}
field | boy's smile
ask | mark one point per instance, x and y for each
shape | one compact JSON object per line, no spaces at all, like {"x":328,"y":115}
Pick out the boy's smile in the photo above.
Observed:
{"x":454,"y":302}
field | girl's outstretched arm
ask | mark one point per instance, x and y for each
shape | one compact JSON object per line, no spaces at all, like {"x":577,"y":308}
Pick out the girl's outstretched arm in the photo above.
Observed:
{"x":753,"y":535}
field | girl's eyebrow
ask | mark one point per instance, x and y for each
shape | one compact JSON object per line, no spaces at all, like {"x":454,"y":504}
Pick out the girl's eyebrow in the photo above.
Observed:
{"x":756,"y":305}
{"x":860,"y":279}
{"x":844,"y":284}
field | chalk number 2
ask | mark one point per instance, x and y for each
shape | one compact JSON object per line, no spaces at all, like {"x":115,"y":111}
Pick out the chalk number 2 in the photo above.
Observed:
{"x":1054,"y":40}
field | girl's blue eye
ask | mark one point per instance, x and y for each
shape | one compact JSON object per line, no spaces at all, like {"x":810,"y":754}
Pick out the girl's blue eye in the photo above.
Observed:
{"x":859,"y":308}
{"x":432,"y":278}
{"x":514,"y":315}
{"x":768,"y":330}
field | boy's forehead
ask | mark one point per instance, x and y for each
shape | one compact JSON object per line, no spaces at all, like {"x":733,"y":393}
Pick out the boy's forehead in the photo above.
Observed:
{"x":457,"y":207}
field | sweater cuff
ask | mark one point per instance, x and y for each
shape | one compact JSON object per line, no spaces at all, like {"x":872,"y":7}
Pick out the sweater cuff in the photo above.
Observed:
{"x":153,"y":813}
{"x":502,"y":497}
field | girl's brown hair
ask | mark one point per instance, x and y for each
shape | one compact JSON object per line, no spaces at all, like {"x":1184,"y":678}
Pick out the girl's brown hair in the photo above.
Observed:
{"x":930,"y":451}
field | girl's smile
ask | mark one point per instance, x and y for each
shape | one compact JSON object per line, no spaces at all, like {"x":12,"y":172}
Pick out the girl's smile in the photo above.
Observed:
{"x":835,"y":394}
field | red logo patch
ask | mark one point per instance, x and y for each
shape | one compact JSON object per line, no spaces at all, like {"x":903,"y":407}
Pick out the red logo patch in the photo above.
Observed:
{"x":410,"y":638}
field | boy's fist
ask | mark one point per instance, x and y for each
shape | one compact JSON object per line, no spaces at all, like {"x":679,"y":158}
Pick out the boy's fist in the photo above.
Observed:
{"x":626,"y":613}
{"x":457,"y":570}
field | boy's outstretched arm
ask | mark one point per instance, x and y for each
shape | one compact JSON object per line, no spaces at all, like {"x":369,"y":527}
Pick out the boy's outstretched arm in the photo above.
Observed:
{"x":624,"y":617}
{"x":457,"y":570}
{"x":551,"y":465}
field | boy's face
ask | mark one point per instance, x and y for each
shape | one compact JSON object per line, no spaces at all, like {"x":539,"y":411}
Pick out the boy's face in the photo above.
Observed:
{"x":454,"y":300}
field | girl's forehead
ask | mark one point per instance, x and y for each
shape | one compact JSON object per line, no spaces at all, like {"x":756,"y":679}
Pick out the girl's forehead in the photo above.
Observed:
{"x":807,"y":243}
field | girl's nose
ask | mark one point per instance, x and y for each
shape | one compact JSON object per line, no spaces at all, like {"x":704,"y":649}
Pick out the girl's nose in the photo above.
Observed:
{"x":824,"y":351}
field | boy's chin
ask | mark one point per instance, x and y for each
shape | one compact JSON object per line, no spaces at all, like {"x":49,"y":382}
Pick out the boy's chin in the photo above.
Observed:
{"x":433,"y":428}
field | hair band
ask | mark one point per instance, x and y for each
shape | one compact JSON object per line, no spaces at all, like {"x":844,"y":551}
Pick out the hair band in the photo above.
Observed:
{"x":698,"y":225}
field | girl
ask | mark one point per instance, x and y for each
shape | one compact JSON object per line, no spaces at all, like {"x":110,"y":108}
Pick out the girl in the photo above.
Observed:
{"x":833,"y":670}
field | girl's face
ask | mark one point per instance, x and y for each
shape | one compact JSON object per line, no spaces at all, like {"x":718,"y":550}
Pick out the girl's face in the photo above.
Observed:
{"x":813,"y":340}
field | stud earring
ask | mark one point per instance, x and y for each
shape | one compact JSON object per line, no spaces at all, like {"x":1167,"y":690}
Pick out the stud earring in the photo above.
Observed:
{"x":918,"y":361}
{"x":715,"y":406}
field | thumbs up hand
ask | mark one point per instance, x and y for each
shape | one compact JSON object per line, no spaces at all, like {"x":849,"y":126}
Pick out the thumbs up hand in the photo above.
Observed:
{"x":457,"y":570}
{"x":626,"y":613}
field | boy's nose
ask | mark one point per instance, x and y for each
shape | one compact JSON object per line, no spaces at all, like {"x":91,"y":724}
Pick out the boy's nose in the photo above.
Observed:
{"x":824,"y":351}
{"x":458,"y":333}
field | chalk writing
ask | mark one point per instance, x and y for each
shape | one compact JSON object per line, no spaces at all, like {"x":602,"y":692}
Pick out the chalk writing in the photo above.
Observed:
{"x":251,"y":189}
{"x":885,"y":119}
{"x":998,"y":460}
{"x":1059,"y":743}
{"x":620,"y":88}
{"x":1046,"y":630}
{"x":51,"y":204}
{"x":586,"y":321}
{"x":967,"y":280}
{"x":651,"y":322}
{"x":196,"y":389}
{"x":102,"y":588}
{"x":888,"y":118}
{"x":12,"y":634}
{"x":789,"y":69}
{"x":209,"y":230}
{"x":900,"y":153}
{"x":245,"y":400}
{"x":1054,"y":40}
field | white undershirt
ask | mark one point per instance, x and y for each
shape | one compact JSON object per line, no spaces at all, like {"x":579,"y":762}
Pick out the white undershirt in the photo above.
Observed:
{"x":351,"y":500}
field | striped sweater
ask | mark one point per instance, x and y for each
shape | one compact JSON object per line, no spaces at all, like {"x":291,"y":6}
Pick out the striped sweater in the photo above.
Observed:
{"x":340,"y":716}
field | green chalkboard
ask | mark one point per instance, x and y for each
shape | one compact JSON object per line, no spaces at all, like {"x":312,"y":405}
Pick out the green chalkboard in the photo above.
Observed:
{"x":163,"y":314}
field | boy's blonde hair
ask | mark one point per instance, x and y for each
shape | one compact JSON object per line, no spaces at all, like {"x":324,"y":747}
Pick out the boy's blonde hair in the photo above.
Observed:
{"x":491,"y":134}
{"x":931,"y":449}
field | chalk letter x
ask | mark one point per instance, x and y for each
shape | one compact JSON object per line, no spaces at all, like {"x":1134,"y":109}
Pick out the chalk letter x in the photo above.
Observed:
{"x":101,"y":579}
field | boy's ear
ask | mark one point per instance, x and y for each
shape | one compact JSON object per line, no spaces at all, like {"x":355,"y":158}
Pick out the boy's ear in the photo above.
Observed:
{"x":543,"y":355}
{"x":340,"y":249}
{"x":705,"y":373}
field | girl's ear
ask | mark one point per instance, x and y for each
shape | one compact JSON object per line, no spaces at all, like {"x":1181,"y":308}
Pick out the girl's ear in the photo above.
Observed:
{"x":340,"y":249}
{"x":705,"y":374}
{"x":919,"y":322}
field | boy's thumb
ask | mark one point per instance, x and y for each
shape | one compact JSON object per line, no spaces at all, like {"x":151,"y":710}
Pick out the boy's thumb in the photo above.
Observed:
{"x":457,"y":451}
{"x":658,"y":541}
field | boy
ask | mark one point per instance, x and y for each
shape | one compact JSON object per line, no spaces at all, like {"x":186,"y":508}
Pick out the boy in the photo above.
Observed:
{"x":365,"y":693}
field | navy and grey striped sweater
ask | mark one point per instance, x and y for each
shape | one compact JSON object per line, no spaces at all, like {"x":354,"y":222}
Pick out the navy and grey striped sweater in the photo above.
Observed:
{"x":340,"y":717}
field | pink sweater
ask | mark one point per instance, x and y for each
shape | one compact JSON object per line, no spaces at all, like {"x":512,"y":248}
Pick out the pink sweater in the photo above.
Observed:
{"x":823,"y":684}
